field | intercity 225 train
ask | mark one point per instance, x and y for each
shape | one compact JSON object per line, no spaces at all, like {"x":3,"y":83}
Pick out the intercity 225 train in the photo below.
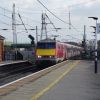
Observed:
{"x":52,"y":51}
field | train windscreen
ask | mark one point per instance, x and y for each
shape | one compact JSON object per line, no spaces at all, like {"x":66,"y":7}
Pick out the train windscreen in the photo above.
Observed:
{"x":43,"y":45}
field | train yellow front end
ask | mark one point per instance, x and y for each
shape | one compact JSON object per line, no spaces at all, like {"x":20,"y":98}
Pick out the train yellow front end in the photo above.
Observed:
{"x":45,"y":52}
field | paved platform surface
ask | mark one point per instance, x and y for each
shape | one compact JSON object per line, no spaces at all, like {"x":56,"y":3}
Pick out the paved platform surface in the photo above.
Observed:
{"x":80,"y":84}
{"x":74,"y":81}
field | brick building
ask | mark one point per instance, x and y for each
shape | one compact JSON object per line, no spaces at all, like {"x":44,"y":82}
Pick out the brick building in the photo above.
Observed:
{"x":1,"y":48}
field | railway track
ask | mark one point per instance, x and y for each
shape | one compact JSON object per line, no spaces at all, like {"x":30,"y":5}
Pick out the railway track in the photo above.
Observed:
{"x":25,"y":77}
{"x":12,"y":72}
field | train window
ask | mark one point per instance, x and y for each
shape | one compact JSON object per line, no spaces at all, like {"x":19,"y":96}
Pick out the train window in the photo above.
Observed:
{"x":49,"y":45}
{"x":40,"y":45}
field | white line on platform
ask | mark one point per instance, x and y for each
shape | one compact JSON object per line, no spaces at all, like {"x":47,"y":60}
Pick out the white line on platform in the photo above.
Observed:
{"x":12,"y":62}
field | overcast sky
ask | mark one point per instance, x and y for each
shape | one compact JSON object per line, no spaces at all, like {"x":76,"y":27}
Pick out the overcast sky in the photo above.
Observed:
{"x":31,"y":10}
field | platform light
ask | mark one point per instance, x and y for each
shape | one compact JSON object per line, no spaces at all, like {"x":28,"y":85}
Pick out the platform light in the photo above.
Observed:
{"x":96,"y":59}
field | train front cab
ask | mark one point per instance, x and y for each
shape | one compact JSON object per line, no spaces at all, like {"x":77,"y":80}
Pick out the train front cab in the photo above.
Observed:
{"x":45,"y":53}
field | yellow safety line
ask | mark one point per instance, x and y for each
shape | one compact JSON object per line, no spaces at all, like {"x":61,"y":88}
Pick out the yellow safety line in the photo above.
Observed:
{"x":38,"y":95}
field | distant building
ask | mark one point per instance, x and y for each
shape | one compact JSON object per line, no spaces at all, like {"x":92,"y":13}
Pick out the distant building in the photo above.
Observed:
{"x":1,"y":48}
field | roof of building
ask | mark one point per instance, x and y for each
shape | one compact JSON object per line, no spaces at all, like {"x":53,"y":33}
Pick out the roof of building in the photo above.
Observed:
{"x":1,"y":37}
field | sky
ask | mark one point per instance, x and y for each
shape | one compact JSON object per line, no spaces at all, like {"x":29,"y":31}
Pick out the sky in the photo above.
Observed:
{"x":31,"y":10}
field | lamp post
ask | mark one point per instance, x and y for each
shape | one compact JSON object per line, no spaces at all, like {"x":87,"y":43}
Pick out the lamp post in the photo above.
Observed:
{"x":96,"y":59}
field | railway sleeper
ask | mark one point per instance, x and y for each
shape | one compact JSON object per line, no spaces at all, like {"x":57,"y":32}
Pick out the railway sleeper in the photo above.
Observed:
{"x":12,"y":68}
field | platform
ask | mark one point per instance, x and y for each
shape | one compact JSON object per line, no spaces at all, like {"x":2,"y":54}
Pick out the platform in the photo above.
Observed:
{"x":73,"y":81}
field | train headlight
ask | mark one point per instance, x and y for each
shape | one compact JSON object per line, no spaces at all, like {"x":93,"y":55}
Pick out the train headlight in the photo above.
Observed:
{"x":50,"y":56}
{"x":39,"y":56}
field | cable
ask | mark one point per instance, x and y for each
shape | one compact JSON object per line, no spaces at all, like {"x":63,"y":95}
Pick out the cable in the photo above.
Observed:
{"x":69,"y":6}
{"x":51,"y":22}
{"x":75,"y":28}
{"x":5,"y":16}
{"x":23,"y":23}
{"x":4,"y":23}
{"x":35,"y":21}
{"x":51,"y":12}
{"x":31,"y":19}
{"x":10,"y":17}
{"x":16,"y":19}
{"x":74,"y":37}
{"x":6,"y":9}
{"x":56,"y":16}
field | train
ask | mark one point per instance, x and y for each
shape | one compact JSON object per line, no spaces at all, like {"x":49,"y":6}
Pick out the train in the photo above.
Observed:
{"x":53,"y":51}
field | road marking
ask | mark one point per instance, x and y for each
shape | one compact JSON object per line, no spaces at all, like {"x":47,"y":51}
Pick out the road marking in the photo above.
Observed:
{"x":38,"y":95}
